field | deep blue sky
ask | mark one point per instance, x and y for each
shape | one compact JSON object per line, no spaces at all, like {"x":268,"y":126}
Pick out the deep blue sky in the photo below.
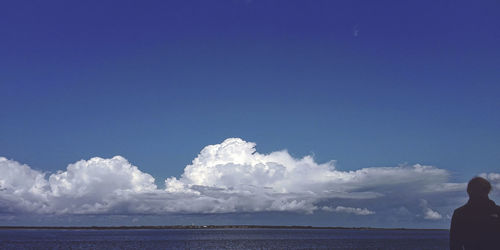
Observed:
{"x":366,"y":83}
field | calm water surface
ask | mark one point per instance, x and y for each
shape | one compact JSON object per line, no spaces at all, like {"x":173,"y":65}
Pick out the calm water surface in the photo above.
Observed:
{"x":223,"y":239}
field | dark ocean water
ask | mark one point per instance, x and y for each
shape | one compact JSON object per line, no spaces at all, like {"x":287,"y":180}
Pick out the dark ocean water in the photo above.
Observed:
{"x":223,"y":239}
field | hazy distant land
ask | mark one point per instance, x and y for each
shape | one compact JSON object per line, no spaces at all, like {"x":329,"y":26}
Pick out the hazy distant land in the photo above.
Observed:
{"x":201,"y":227}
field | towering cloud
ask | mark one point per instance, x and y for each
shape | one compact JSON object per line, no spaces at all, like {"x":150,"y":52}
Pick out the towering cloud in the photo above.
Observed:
{"x":229,"y":177}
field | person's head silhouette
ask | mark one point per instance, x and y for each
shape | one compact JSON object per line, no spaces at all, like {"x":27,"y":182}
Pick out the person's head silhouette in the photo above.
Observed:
{"x":476,"y":225}
{"x":478,"y":188}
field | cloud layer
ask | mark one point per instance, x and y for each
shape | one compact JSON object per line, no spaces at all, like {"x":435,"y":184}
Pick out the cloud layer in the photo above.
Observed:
{"x":231,"y":177}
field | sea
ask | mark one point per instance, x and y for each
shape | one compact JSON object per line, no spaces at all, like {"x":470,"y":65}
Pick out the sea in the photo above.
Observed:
{"x":253,"y":238}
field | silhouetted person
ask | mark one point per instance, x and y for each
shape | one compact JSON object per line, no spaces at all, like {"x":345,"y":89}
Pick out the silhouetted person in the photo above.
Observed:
{"x":476,"y":225}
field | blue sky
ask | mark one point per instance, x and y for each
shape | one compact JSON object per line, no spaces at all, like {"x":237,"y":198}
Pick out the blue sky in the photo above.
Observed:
{"x":364,"y":83}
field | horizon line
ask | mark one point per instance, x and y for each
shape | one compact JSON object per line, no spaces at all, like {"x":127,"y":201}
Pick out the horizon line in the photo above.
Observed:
{"x":207,"y":227}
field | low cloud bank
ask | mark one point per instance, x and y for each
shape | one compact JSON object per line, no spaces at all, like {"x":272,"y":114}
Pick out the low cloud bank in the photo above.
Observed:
{"x":350,"y":210}
{"x":225,"y":178}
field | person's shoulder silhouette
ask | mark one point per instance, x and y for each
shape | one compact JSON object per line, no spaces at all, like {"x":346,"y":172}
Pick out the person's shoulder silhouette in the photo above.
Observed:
{"x":476,"y":225}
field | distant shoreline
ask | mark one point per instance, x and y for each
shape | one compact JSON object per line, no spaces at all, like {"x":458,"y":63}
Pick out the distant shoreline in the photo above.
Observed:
{"x":203,"y":227}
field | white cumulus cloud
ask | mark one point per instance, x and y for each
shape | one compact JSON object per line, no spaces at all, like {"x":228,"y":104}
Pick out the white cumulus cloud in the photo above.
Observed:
{"x":226,"y":178}
{"x":429,"y":214}
{"x":235,"y":164}
{"x":21,"y":188}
